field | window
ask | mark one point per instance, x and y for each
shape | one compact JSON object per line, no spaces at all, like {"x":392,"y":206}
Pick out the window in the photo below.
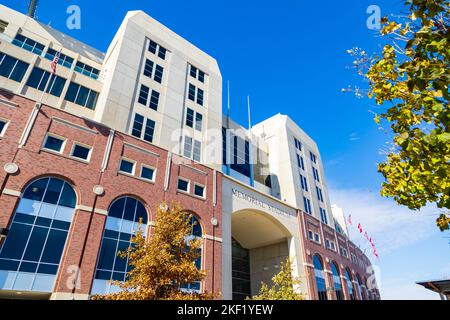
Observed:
{"x":344,"y":252}
{"x":12,"y":68}
{"x":197,"y":151}
{"x":183,"y":185}
{"x":304,"y":183}
{"x":126,"y":216}
{"x":316,"y":237}
{"x":307,"y":204}
{"x":319,"y":194}
{"x":199,"y":191}
{"x":313,"y":157}
{"x":154,"y":101}
{"x":198,"y":122}
{"x":143,"y":95}
{"x":188,"y":147}
{"x":196,"y":233}
{"x":127,"y":166}
{"x":31,"y":254}
{"x":155,"y":48}
{"x":197,"y":74}
{"x":196,"y":94}
{"x":190,"y":118}
{"x":311,"y":235}
{"x":87,"y":70}
{"x":3,"y":26}
{"x":349,"y":279}
{"x":300,"y":162}
{"x":337,"y":281}
{"x":298,"y":144}
{"x":316,"y":174}
{"x":149,"y":130}
{"x":320,"y":278}
{"x":3,"y":125}
{"x":155,"y":73}
{"x":323,"y":216}
{"x":148,"y":173}
{"x":241,"y":156}
{"x":138,"y":125}
{"x":81,"y":152}
{"x":28,"y":44}
{"x":54,"y":143}
{"x":330,"y":244}
{"x":63,"y":59}
{"x":39,"y":78}
{"x":82,"y":96}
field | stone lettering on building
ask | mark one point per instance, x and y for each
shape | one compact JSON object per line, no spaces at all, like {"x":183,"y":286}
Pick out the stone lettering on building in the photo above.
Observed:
{"x":259,"y":203}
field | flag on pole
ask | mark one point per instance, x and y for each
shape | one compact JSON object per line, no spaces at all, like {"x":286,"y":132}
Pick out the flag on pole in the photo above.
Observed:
{"x":55,"y":61}
{"x":350,"y":219}
{"x":360,"y":228}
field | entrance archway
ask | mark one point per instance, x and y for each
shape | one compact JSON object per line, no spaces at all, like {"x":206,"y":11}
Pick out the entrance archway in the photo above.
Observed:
{"x":260,"y":243}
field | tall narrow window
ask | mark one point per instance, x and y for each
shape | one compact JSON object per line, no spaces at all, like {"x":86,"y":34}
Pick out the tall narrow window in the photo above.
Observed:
{"x":190,"y":118}
{"x":12,"y":68}
{"x":188,"y":147}
{"x":31,"y":254}
{"x":124,"y":218}
{"x":196,"y":233}
{"x":197,"y":151}
{"x":320,"y":278}
{"x":337,"y":281}
{"x":349,"y":280}
{"x":138,"y":125}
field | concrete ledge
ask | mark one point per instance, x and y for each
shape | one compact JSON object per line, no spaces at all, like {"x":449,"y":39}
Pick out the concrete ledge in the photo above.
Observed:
{"x":208,"y":237}
{"x":13,"y":193}
{"x":68,"y":296}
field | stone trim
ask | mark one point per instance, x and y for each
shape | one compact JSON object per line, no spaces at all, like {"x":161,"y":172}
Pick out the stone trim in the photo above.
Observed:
{"x":73,"y":125}
{"x":133,"y":146}
{"x":13,"y":193}
{"x":208,"y":237}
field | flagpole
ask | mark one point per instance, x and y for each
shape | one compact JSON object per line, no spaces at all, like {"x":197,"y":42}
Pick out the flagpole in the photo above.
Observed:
{"x":250,"y":151}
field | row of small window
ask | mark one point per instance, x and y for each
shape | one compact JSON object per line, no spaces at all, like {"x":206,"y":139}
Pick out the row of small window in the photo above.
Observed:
{"x":196,"y":94}
{"x":192,"y":149}
{"x":57,"y":144}
{"x":64,"y":60}
{"x":298,"y":144}
{"x":15,"y":69}
{"x":323,"y":216}
{"x":144,"y":94}
{"x":343,"y":252}
{"x":184,"y":185}
{"x":156,"y":49}
{"x":197,"y":74}
{"x":153,"y":71}
{"x":319,"y":194}
{"x":194,"y":119}
{"x":330,"y":244}
{"x":129,"y":167}
{"x":314,"y":236}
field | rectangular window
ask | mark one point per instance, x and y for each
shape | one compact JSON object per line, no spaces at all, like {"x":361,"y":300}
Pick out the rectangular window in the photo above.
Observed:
{"x":148,"y":173}
{"x":298,"y":144}
{"x":201,"y":76}
{"x":3,"y":26}
{"x":159,"y":72}
{"x":200,"y":96}
{"x":143,"y":95}
{"x":300,"y":162}
{"x":183,"y":185}
{"x":28,"y":44}
{"x":316,"y":174}
{"x":198,"y":122}
{"x":54,"y":143}
{"x":323,"y":216}
{"x":192,"y":91}
{"x":137,"y":126}
{"x":317,"y":237}
{"x":199,"y":191}
{"x":82,"y":96}
{"x":63,"y":59}
{"x":152,"y":47}
{"x":148,"y":68}
{"x":319,"y":194}
{"x":87,"y":70}
{"x":310,"y":235}
{"x":197,"y":74}
{"x":3,"y":125}
{"x":154,"y":101}
{"x":304,"y":183}
{"x":197,"y":151}
{"x":12,"y":68}
{"x":190,"y":118}
{"x":39,"y":78}
{"x":307,"y":205}
{"x":162,"y":53}
{"x":81,"y":152}
{"x":126,"y":166}
{"x":188,"y":147}
{"x":193,"y":72}
{"x":313,"y":157}
{"x":149,"y":130}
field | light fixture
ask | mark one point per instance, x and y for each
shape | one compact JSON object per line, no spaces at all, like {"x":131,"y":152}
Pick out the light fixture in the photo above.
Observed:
{"x":214,"y":222}
{"x":11,"y":168}
{"x":99,"y":190}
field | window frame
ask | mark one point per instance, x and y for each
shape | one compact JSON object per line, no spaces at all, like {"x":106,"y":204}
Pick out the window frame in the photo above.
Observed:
{"x":144,"y":166}
{"x":83,"y":145}
{"x":5,"y":126}
{"x":55,"y":136}
{"x":130,"y":161}
{"x":203,"y":188}
{"x":188,"y":185}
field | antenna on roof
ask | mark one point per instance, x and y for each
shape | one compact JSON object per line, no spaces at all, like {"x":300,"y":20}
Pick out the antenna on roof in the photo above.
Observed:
{"x":32,"y":8}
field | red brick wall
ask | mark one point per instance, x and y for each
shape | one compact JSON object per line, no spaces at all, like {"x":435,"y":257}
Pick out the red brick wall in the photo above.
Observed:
{"x":34,"y":163}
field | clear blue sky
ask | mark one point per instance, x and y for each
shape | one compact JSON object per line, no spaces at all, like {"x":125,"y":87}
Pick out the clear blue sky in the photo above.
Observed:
{"x":290,"y":56}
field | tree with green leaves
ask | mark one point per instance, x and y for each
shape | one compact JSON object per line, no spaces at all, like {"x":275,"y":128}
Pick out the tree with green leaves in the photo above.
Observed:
{"x":410,"y":83}
{"x":284,"y":286}
{"x":164,"y":263}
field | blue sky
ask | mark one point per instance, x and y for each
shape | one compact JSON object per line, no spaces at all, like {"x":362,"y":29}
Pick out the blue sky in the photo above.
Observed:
{"x":290,"y":57}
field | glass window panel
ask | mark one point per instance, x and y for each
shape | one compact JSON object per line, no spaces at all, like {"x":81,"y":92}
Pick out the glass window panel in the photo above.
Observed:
{"x":81,"y":152}
{"x":23,"y":281}
{"x":126,"y":166}
{"x":72,"y":92}
{"x":47,"y":210}
{"x":10,"y":265}
{"x":152,"y":46}
{"x":30,"y":207}
{"x":159,"y":73}
{"x":43,"y":222}
{"x":162,"y":53}
{"x":154,"y":101}
{"x":36,"y":190}
{"x":54,"y":246}
{"x":107,"y":254}
{"x":68,"y":197}
{"x":127,"y":226}
{"x":190,"y":118}
{"x":28,"y":267}
{"x":24,"y":218}
{"x":36,"y":244}
{"x":64,"y":214}
{"x":113,"y":224}
{"x":103,"y":275}
{"x":7,"y":66}
{"x":200,"y":97}
{"x":199,"y":191}
{"x":92,"y":100}
{"x":141,"y":213}
{"x":148,"y":69}
{"x":147,"y":173}
{"x":53,"y":143}
{"x":121,"y":264}
{"x":53,"y":191}
{"x":198,"y":122}
{"x":116,"y":209}
{"x":149,"y":130}
{"x":44,"y":283}
{"x":16,"y":241}
{"x":130,"y":209}
{"x":19,"y":71}
{"x":183,"y":185}
{"x":138,"y":125}
{"x":82,"y":96}
{"x":60,"y":225}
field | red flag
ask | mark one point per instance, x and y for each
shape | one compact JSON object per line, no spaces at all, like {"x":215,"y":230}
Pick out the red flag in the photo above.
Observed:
{"x":350,"y":219}
{"x":360,"y":228}
{"x":55,"y":61}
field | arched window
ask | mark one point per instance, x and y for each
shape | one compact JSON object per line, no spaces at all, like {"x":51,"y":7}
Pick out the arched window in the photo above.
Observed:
{"x":122,"y":223}
{"x":196,"y":233}
{"x":337,"y":281}
{"x":320,"y":278}
{"x":360,"y":288}
{"x":31,"y":254}
{"x":349,"y":279}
